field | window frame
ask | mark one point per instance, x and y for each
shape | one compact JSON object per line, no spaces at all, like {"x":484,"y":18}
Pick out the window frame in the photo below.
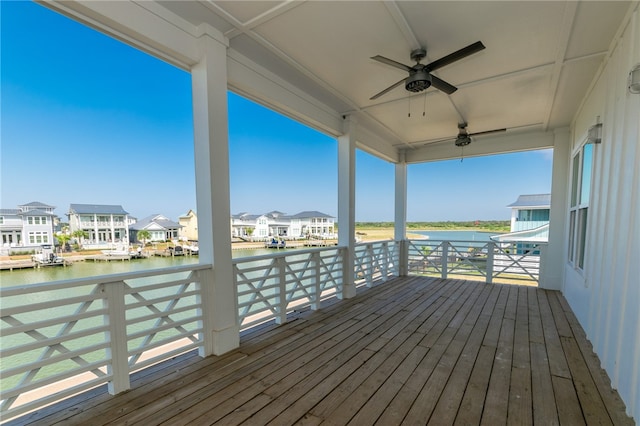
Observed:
{"x":582,"y":165}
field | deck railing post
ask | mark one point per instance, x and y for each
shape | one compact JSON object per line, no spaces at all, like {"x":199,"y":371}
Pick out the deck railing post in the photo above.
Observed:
{"x":491,"y":246}
{"x":385,"y":260}
{"x":445,"y":259}
{"x":403,"y":258}
{"x":117,"y":350}
{"x":315,"y":303}
{"x":281,"y":298}
{"x":370,"y":265}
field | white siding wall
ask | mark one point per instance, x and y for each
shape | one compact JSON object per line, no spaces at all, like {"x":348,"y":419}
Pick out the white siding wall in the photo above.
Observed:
{"x":606,"y":296}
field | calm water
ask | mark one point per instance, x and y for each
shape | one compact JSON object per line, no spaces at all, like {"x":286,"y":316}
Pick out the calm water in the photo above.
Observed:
{"x":457,"y":235}
{"x":90,"y":268}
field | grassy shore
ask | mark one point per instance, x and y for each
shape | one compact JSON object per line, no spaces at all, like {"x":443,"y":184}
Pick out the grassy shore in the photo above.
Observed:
{"x":371,"y":231}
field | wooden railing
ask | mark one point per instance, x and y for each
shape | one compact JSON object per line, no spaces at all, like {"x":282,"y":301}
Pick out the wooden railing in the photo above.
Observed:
{"x":271,"y":286}
{"x":62,"y":338}
{"x":513,"y":261}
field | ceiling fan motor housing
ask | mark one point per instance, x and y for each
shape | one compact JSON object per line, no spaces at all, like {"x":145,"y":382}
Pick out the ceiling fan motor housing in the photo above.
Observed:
{"x":418,"y":81}
{"x":463,"y":140}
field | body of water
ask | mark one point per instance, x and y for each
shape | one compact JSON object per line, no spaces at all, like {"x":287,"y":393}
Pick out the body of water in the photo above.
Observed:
{"x":90,"y":268}
{"x":457,"y":235}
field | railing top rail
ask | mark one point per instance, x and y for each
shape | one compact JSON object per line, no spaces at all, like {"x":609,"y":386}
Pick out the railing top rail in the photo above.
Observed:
{"x":283,"y":253}
{"x":99,"y":279}
{"x":439,"y":240}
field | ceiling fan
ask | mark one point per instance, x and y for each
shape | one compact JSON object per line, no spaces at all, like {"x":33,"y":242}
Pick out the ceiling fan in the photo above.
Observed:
{"x":464,"y":138}
{"x":420,"y":77}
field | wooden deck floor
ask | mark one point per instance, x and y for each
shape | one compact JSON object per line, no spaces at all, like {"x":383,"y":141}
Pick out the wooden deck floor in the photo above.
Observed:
{"x":411,"y":351}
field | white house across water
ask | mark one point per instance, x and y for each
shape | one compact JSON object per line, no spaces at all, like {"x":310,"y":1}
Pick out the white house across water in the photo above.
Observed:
{"x":27,"y":227}
{"x":503,"y":76}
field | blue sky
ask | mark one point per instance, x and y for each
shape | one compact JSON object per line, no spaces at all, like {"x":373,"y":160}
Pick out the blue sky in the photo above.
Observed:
{"x":88,"y":119}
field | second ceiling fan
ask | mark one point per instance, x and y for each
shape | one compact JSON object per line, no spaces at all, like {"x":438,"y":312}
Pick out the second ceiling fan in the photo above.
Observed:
{"x":420,"y":77}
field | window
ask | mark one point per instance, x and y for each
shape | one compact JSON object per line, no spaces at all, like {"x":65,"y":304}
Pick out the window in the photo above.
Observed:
{"x":582,"y":166}
{"x":38,"y":238}
{"x":1,"y":220}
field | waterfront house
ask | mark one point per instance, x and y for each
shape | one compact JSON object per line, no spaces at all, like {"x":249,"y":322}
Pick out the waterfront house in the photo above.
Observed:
{"x":104,"y":225}
{"x":393,"y":347}
{"x":160,"y":227}
{"x":278,"y":224}
{"x":530,"y":211}
{"x":529,"y":221}
{"x":27,"y":227}
{"x":188,"y":226}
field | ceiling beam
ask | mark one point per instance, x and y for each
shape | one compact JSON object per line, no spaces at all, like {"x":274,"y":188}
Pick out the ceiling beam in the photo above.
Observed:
{"x":488,"y":145}
{"x":570,"y":11}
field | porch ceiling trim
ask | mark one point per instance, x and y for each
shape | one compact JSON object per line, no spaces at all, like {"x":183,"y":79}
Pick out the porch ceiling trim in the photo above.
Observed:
{"x":501,"y":144}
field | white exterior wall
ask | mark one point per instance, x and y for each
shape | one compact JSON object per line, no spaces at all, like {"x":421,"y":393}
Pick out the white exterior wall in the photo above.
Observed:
{"x":606,"y":295}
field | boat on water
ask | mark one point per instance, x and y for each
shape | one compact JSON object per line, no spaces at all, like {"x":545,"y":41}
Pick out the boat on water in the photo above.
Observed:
{"x":46,"y":256}
{"x":274,"y":243}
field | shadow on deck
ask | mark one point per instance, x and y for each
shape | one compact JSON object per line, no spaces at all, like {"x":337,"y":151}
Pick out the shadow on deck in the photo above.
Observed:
{"x":413,"y":350}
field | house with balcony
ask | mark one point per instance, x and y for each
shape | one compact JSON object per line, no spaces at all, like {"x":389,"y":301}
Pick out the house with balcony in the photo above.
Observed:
{"x":359,"y":333}
{"x":278,"y":224}
{"x":529,"y":223}
{"x":160,"y":228}
{"x":104,"y":225}
{"x":27,"y":227}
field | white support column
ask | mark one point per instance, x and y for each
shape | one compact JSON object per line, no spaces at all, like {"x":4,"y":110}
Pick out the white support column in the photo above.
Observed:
{"x":401,"y":213}
{"x":210,"y":119}
{"x":347,"y":203}
{"x":555,"y":254}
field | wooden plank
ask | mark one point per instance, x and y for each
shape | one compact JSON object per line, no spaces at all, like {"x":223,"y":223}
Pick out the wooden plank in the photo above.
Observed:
{"x":520,"y":406}
{"x":433,"y":388}
{"x":544,"y":405}
{"x":496,"y":401}
{"x":615,"y":406}
{"x":557,"y":362}
{"x":536,"y":335}
{"x":446,"y":409}
{"x":593,"y":408}
{"x":569,"y":411}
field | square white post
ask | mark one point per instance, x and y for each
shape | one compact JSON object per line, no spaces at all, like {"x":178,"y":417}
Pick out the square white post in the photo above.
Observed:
{"x":347,"y":203}
{"x":552,"y":260}
{"x":400,"y":229}
{"x":210,"y":119}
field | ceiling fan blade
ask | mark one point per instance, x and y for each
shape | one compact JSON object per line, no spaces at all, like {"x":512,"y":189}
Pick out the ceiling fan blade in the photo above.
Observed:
{"x":486,"y":132}
{"x":391,"y":62}
{"x":442,"y":85}
{"x":393,"y":86}
{"x":455,"y":56}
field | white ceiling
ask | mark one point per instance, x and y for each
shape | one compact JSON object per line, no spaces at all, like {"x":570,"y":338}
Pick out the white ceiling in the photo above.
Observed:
{"x":539,"y":61}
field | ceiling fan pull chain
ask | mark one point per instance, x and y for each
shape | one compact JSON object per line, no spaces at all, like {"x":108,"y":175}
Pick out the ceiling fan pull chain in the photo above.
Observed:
{"x":409,"y":99}
{"x":424,"y":107}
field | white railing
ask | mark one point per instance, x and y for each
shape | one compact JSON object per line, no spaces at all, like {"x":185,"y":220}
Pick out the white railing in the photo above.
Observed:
{"x":271,"y":286}
{"x":376,"y":261}
{"x":518,"y":261}
{"x":62,"y":338}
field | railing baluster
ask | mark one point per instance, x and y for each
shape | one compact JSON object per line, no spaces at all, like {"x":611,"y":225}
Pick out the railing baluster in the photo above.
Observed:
{"x":445,"y":259}
{"x":489,"y":268}
{"x":281,"y":297}
{"x":315,"y":303}
{"x":117,"y":336}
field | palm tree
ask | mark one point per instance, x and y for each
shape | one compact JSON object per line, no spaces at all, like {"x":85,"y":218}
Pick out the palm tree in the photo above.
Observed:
{"x":143,"y":235}
{"x":80,"y":235}
{"x":63,"y":239}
